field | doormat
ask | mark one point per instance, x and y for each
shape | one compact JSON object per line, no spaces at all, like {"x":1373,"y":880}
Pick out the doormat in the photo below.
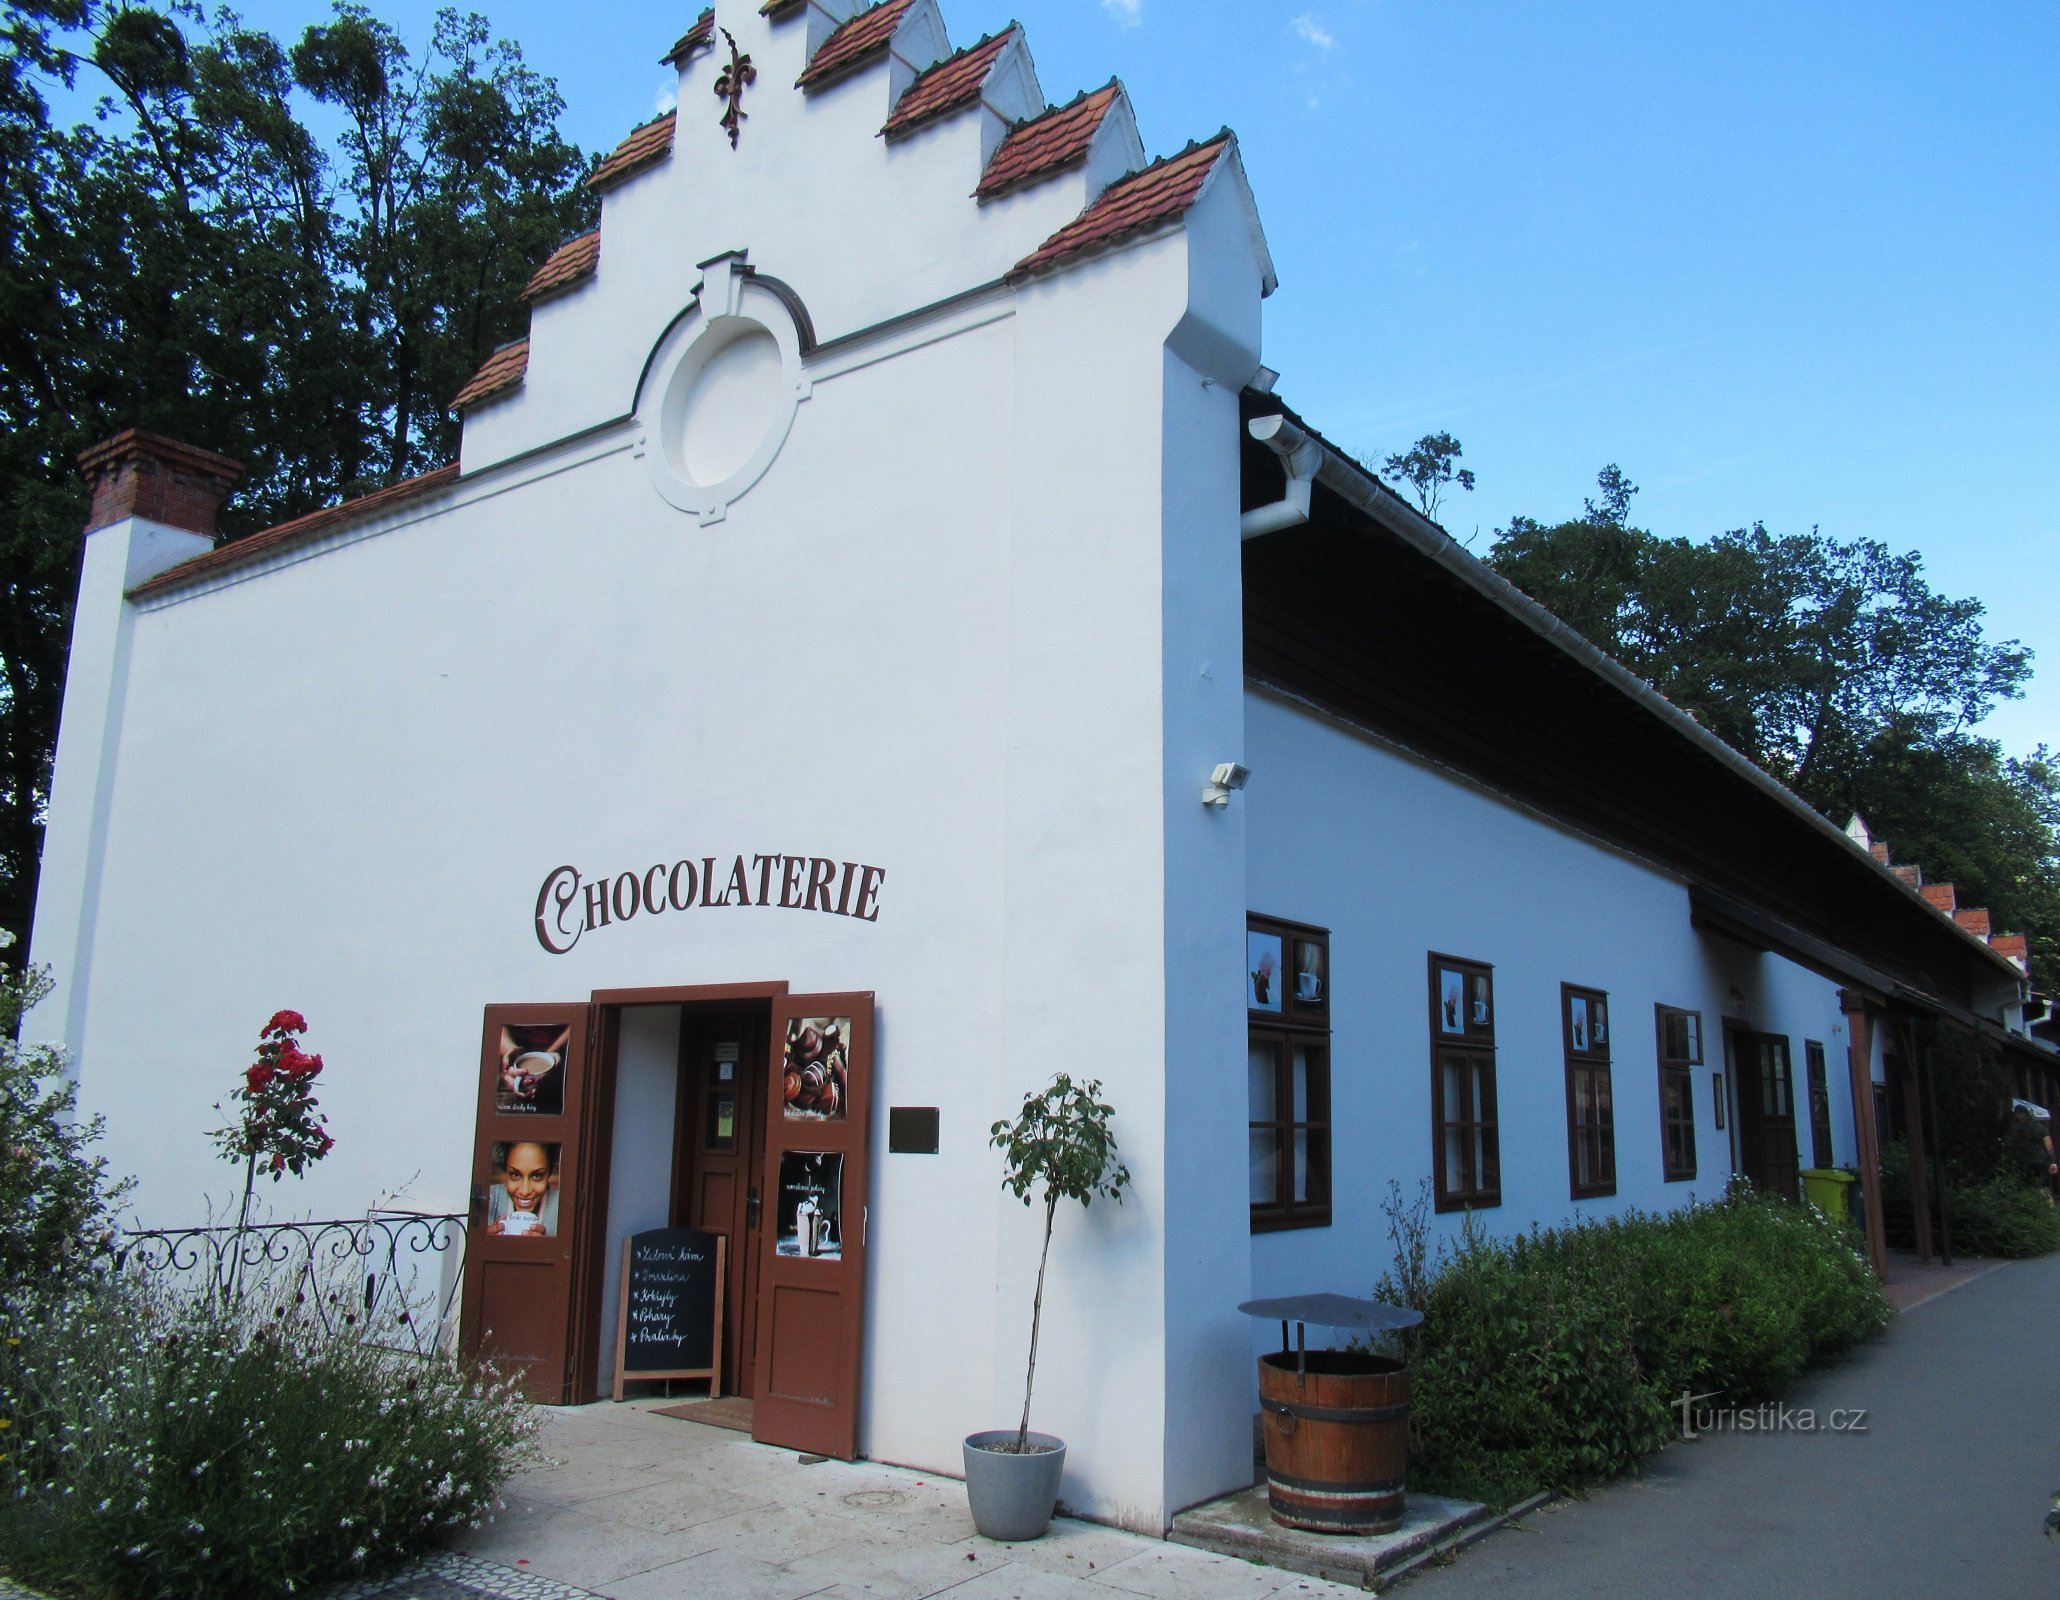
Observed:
{"x":731,"y":1412}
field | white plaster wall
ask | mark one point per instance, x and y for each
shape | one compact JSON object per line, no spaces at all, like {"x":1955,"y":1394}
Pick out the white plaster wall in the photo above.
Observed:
{"x":1398,"y":859}
{"x":861,"y":228}
{"x":647,"y":1073}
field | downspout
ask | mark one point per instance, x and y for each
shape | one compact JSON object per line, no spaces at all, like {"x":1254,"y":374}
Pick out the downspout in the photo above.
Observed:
{"x":1300,"y":456}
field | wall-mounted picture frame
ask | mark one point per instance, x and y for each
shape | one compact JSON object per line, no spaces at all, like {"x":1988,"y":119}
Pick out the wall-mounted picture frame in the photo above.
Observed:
{"x":1265,"y":971}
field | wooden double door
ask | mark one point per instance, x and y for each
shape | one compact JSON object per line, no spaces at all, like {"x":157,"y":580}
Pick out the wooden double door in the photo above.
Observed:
{"x":769,"y":1148}
{"x":1765,"y":1081}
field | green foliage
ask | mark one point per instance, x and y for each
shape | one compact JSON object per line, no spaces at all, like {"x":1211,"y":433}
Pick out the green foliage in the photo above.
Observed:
{"x":54,"y":1192}
{"x":1835,"y":666}
{"x":1556,"y":1359}
{"x":1426,"y":468}
{"x":165,"y":1447}
{"x":1997,"y":1212}
{"x":293,"y":254}
{"x":1060,"y":1146}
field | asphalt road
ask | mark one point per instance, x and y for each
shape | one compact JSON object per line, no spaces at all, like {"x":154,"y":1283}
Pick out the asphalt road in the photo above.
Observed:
{"x":1943,"y":1495}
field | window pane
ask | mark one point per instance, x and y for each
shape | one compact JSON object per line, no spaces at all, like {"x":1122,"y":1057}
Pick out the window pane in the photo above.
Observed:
{"x":1265,"y":1166}
{"x":1457,"y":1092}
{"x":1301,"y":1167}
{"x":1458,"y":1174}
{"x":1299,"y":1075}
{"x":1600,"y":1091}
{"x":1488,"y":1159}
{"x":1263,"y":1081}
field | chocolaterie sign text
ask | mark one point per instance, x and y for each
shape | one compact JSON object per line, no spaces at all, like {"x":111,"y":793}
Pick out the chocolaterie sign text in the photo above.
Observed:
{"x":570,"y":906}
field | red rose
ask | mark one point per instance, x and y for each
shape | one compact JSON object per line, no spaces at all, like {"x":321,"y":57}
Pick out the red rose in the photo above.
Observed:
{"x":257,"y":1076}
{"x":286,"y":1022}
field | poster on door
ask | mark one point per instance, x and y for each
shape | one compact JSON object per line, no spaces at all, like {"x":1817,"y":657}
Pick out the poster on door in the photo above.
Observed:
{"x":811,"y":1205}
{"x":817,"y":1066}
{"x":532,"y":1077}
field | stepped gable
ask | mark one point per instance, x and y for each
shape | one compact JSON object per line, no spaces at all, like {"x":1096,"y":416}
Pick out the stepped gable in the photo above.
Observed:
{"x":953,"y":83}
{"x":570,"y":265}
{"x":299,"y":531}
{"x":701,"y":36}
{"x":1148,"y":199}
{"x":1047,"y":144}
{"x":498,"y":375}
{"x":645,"y":147}
{"x":857,"y":41}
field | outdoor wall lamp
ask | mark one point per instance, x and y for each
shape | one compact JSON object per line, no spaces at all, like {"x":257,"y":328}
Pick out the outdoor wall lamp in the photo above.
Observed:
{"x":1227,"y":777}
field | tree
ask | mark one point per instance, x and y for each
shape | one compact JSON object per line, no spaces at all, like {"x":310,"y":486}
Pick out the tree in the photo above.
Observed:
{"x":1835,"y":666}
{"x":210,"y":258}
{"x":1426,"y":467}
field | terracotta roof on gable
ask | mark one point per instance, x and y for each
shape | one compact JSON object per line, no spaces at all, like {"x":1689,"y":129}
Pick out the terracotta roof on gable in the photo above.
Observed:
{"x":1049,"y":142}
{"x":857,"y":40}
{"x":571,"y":263}
{"x":300,"y":530}
{"x":498,"y":374}
{"x":645,"y":147}
{"x":699,"y":37}
{"x":954,"y":82}
{"x":1146,"y":199}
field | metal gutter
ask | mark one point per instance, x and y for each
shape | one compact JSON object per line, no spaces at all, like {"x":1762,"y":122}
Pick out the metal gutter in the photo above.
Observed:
{"x":1349,"y":482}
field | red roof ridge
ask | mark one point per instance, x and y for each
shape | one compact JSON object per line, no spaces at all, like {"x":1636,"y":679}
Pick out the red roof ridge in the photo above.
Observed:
{"x":1053,"y":141}
{"x":648,"y":144}
{"x":701,"y":36}
{"x":1143,"y":200}
{"x":951,"y":84}
{"x":300,"y":530}
{"x":858,"y":39}
{"x":571,"y":264}
{"x":497,"y":375}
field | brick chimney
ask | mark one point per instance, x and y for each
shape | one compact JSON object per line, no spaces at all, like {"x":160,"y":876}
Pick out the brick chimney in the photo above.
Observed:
{"x":137,"y":474}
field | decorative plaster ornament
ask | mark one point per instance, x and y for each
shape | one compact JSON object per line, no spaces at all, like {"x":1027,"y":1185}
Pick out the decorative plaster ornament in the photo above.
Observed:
{"x":730,"y":86}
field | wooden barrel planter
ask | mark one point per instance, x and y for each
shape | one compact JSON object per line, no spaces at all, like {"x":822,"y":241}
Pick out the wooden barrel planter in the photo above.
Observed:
{"x":1337,"y":1439}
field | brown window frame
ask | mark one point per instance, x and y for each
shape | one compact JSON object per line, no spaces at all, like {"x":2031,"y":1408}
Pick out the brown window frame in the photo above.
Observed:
{"x":1301,"y":1145}
{"x":1588,"y":1062}
{"x":1470,"y":1047}
{"x":1817,"y":1083}
{"x":1677,"y":1072}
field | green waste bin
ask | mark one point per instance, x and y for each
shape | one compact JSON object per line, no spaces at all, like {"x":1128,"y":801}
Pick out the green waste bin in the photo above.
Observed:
{"x":1827,"y":1189}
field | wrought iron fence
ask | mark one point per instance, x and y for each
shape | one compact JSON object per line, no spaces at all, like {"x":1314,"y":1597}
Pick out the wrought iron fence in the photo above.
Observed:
{"x":394,"y":1274}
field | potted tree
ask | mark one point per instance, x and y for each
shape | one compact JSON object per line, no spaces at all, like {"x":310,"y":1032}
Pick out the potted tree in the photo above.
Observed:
{"x":1058,"y":1148}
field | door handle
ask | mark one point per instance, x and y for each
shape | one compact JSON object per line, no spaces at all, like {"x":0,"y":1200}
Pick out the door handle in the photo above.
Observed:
{"x":751,"y":1207}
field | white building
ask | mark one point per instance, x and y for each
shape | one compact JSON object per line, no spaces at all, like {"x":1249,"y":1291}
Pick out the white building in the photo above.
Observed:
{"x":840,"y":604}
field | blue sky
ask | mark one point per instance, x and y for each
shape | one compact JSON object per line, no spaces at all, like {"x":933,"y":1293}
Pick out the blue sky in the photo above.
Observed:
{"x":1790,"y":262}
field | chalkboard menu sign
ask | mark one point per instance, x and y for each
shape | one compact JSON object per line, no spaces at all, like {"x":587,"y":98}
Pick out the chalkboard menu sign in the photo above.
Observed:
{"x":668,"y":1321}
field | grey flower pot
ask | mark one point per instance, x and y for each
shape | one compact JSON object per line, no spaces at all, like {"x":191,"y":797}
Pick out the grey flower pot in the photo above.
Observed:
{"x":1012,"y":1495}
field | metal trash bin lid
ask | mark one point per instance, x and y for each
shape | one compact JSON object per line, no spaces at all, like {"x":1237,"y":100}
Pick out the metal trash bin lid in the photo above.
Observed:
{"x":1334,"y":1311}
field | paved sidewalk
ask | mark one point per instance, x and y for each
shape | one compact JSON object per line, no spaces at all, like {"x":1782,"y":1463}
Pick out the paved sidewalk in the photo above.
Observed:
{"x":643,"y":1507}
{"x":1944,"y":1494}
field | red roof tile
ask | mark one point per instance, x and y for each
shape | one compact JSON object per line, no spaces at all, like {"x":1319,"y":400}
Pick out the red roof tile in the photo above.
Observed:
{"x":2014,"y":945}
{"x":857,"y":40}
{"x":699,"y":37}
{"x":645,"y":147}
{"x":301,"y":530}
{"x":954,"y":82}
{"x":500,"y":372}
{"x":1047,"y":143}
{"x":571,"y":263}
{"x":1147,"y":199}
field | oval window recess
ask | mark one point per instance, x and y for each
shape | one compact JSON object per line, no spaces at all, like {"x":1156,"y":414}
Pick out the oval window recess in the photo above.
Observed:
{"x":719,"y":408}
{"x":720,"y":400}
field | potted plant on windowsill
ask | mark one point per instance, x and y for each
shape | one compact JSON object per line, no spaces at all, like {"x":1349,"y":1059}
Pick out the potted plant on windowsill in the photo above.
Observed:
{"x":1058,"y":1148}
